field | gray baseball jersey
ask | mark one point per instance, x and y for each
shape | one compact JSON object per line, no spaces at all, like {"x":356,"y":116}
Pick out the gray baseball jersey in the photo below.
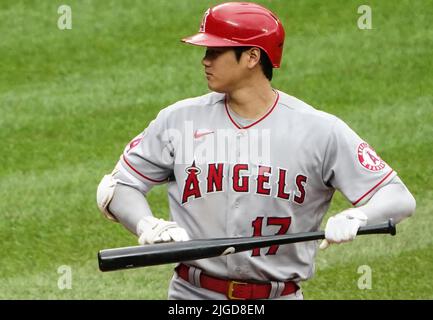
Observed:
{"x":233,"y":177}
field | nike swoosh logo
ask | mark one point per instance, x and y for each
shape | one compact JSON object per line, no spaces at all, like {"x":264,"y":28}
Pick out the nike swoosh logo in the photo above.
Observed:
{"x":201,"y":134}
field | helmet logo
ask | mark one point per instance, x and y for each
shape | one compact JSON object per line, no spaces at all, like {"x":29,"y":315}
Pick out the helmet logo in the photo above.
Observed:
{"x":203,"y":22}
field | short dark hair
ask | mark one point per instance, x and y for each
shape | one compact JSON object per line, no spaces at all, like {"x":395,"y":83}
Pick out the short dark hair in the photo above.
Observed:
{"x":264,"y":60}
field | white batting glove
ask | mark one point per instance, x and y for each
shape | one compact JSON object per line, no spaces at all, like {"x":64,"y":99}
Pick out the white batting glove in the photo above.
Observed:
{"x":152,"y":230}
{"x":343,"y":227}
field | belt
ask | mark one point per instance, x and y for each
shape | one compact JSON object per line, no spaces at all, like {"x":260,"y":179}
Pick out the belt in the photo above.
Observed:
{"x":236,"y":290}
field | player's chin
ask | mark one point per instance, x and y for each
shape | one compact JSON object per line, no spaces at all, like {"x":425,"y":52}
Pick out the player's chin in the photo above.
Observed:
{"x":215,"y":87}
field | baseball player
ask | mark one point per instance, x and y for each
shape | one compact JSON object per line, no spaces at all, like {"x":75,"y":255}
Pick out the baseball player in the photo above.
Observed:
{"x":248,"y":160}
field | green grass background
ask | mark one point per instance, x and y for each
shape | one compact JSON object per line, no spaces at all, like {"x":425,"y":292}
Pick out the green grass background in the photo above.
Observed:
{"x":70,"y":100}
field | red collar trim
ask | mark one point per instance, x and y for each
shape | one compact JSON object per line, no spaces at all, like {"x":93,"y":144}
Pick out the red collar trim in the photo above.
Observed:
{"x":255,"y":122}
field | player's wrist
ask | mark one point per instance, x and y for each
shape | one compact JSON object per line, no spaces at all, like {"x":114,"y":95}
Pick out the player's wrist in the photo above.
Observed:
{"x":355,"y":213}
{"x":148,"y":223}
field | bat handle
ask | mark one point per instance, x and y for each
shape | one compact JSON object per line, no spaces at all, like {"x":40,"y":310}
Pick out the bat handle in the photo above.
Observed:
{"x":387,"y":227}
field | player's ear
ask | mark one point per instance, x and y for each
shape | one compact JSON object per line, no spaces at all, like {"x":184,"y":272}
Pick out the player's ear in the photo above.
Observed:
{"x":253,"y":57}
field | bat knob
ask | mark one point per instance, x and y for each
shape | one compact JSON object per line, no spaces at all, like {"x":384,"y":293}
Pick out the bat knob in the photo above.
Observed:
{"x":391,"y":227}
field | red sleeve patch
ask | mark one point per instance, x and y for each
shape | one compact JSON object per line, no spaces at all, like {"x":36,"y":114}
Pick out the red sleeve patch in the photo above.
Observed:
{"x":368,"y":158}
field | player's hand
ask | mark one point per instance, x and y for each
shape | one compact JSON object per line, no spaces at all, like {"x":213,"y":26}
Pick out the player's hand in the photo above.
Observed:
{"x":152,"y":230}
{"x":343,"y":227}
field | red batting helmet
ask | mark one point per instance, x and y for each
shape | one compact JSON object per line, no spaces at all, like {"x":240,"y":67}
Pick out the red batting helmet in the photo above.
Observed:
{"x":239,"y":24}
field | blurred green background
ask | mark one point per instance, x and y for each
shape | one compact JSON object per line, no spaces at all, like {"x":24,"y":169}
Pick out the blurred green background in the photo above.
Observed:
{"x":71,"y":99}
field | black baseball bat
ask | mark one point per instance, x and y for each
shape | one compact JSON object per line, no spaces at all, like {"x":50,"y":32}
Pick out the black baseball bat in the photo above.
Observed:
{"x":162,"y":253}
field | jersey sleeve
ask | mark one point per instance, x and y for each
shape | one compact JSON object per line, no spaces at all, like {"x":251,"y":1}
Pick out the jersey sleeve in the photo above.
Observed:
{"x":352,"y":166}
{"x":149,"y":156}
